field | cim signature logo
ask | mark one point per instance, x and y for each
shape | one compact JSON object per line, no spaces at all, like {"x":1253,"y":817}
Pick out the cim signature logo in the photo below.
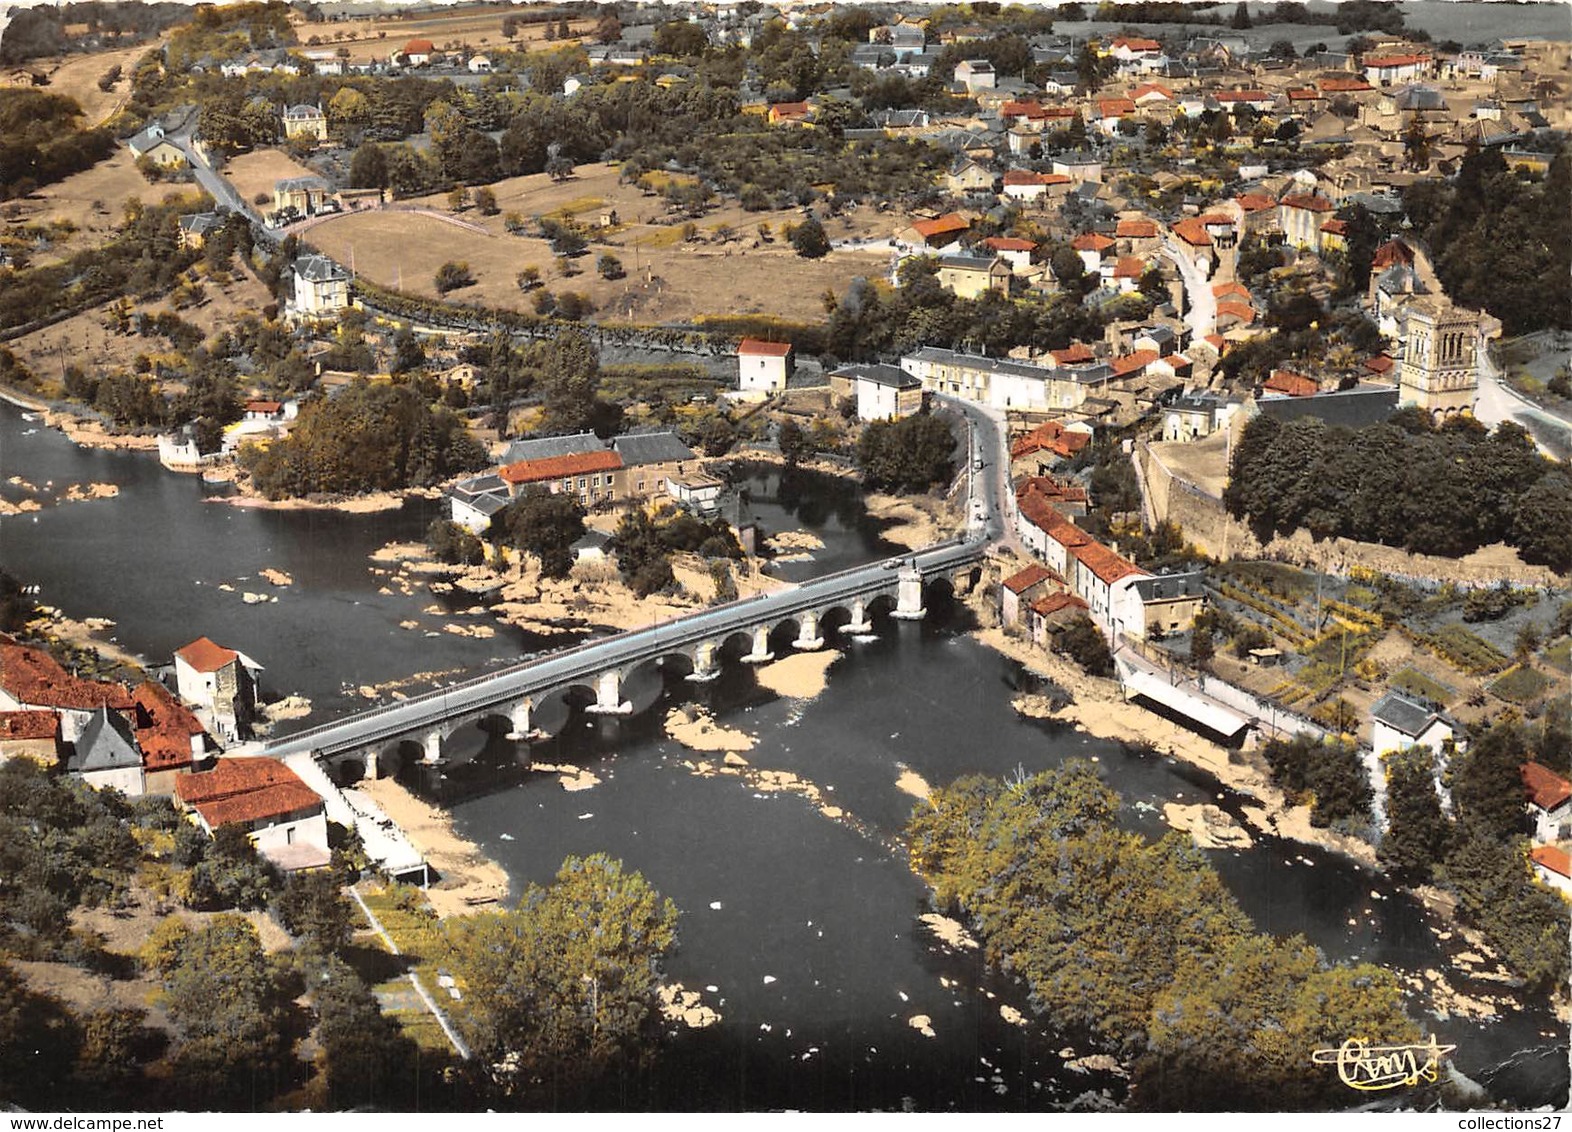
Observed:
{"x":1373,"y":1068}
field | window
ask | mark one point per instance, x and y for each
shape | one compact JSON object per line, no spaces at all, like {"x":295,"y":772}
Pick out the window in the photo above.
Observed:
{"x":581,"y":483}
{"x":641,"y":485}
{"x":567,"y":485}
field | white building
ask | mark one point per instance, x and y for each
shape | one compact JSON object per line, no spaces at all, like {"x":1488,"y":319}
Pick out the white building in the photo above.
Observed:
{"x":283,"y":817}
{"x":321,"y":286}
{"x":218,"y":680}
{"x":763,"y":367}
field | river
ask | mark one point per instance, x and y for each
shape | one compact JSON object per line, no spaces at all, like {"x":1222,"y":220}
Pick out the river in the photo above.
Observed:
{"x":806,"y":926}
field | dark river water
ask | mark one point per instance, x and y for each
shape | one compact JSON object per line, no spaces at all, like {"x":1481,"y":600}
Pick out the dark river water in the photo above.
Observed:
{"x":805,"y":926}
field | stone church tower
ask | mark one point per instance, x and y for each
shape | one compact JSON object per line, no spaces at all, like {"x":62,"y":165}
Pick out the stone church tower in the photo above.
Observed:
{"x":1440,"y":369}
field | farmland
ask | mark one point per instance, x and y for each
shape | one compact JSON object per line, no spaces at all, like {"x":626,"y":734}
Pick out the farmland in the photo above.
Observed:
{"x":669,"y":280}
{"x":91,"y":201}
{"x":480,"y":28}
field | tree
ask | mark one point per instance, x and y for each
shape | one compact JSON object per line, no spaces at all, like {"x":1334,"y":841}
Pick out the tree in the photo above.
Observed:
{"x":1241,"y":18}
{"x":564,"y":986}
{"x":485,"y":200}
{"x":452,"y":276}
{"x":678,"y":37}
{"x":907,"y":455}
{"x":1416,"y":144}
{"x":545,"y":525}
{"x":1083,"y":642}
{"x":313,"y":906}
{"x":458,"y":198}
{"x":795,"y":444}
{"x":453,"y":544}
{"x":810,"y":240}
{"x":608,"y":29}
{"x":221,"y":994}
{"x":569,"y":369}
{"x":609,"y":266}
{"x":1415,"y":842}
{"x":368,"y":169}
{"x":365,"y":1056}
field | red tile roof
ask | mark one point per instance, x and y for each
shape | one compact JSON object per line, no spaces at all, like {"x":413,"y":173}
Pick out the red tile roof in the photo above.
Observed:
{"x":1309,"y":95}
{"x":1009,"y":244}
{"x":940,"y":226}
{"x":1134,"y":363}
{"x":1336,"y":227}
{"x":1353,"y":84}
{"x":1053,"y":436}
{"x":1390,"y":253}
{"x":419,"y":47}
{"x":245,"y":790}
{"x":1292,"y":384}
{"x":1244,"y":312}
{"x":205,"y":656}
{"x":1091,"y":242}
{"x":264,"y":406}
{"x":1233,"y":287}
{"x":34,"y":678}
{"x":1136,"y":44}
{"x":1049,"y":604}
{"x":768,"y":349}
{"x":1145,"y":89}
{"x":1255,"y":202}
{"x":1556,"y":860}
{"x":1546,"y":789}
{"x":1136,"y":229}
{"x":1022,"y":177}
{"x":1193,"y":232}
{"x":1024,"y":580}
{"x":164,"y":728}
{"x":1380,"y":364}
{"x":1078,"y":352}
{"x":789,"y":110}
{"x":1050,"y":488}
{"x":1129,"y":267}
{"x":1383,"y":61}
{"x":1241,"y":96}
{"x":1115,"y":107}
{"x":1040,"y":514}
{"x":1308,"y":201}
{"x":29,"y":725}
{"x":560,"y":467}
{"x":1217,"y":220}
{"x":1022,"y":110}
{"x":1217,"y":342}
{"x":1108,"y":566}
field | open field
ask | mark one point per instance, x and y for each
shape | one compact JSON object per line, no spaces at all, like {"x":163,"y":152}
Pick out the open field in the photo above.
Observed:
{"x":87,"y":339}
{"x":667,"y":281}
{"x":479,"y":28}
{"x":77,"y":77}
{"x":257,"y":171}
{"x":91,"y":200}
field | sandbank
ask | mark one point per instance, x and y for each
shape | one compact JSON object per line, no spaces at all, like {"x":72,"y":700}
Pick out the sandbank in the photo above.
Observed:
{"x":802,"y":675}
{"x":467,"y":876}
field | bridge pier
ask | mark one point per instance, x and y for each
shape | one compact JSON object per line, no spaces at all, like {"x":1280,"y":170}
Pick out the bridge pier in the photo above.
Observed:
{"x":706,"y":664}
{"x":521,"y":718}
{"x":761,"y":653}
{"x":431,"y":745}
{"x":859,"y":622}
{"x":908,"y":599}
{"x":808,"y":638}
{"x":608,"y":696}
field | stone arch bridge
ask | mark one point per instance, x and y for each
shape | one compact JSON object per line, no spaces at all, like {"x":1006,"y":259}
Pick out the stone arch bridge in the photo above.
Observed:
{"x":601,"y":668}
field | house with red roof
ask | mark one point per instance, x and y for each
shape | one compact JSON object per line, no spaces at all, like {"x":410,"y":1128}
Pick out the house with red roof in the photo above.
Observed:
{"x":171,"y":738}
{"x":1232,"y":100}
{"x":1050,"y":612}
{"x":1549,"y":801}
{"x":1019,"y":590}
{"x":1151,"y":94}
{"x":1194,"y":241}
{"x":942,"y":234}
{"x":1014,"y":251}
{"x":1552,"y":867}
{"x":32,"y":734}
{"x":1254,"y":213}
{"x":1103,"y":578}
{"x":1047,"y":533}
{"x":221,"y":682}
{"x":763,"y":367}
{"x":1301,"y":215}
{"x":1384,"y":70}
{"x":283,"y":817}
{"x":1092,"y":247}
{"x":1029,"y":185}
{"x":1124,"y":274}
{"x":1057,"y":439}
{"x":1345,"y":85}
{"x":1112,"y":111}
{"x":1141,"y":234}
{"x":418,"y":52}
{"x":789,"y":114}
{"x":590,"y":477}
{"x":32,"y":680}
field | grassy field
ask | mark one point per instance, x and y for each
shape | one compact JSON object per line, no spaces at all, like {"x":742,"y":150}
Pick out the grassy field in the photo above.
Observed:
{"x":91,"y":200}
{"x":77,"y":76}
{"x":257,"y":172}
{"x":1521,"y":685}
{"x":1412,"y":680}
{"x":1560,"y":655}
{"x":478,"y":27}
{"x":88,"y":340}
{"x":668,"y":280}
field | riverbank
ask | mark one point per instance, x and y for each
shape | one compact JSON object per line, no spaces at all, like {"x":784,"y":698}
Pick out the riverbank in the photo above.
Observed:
{"x":1098,"y":707}
{"x":913,"y":521}
{"x":467,"y":878}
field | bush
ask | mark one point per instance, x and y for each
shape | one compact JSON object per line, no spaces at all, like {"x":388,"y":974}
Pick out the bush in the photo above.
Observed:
{"x":1083,"y":642}
{"x":810,"y":240}
{"x":610,"y":267}
{"x":452,"y":276}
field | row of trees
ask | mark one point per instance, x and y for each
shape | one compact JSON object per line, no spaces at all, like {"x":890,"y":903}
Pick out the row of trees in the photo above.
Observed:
{"x":42,"y":141}
{"x":1139,"y":947}
{"x":1435,"y":491}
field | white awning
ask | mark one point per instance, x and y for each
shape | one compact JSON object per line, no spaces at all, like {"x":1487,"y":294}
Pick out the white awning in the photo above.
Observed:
{"x":1184,"y":699}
